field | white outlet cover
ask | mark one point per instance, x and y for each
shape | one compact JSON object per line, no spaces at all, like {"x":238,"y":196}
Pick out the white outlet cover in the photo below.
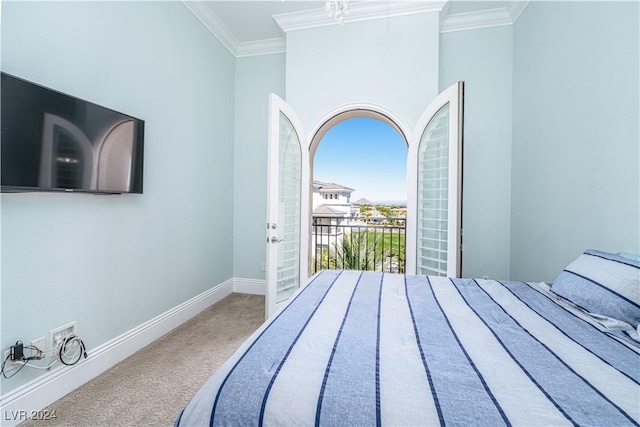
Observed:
{"x":39,"y":343}
{"x":61,"y":332}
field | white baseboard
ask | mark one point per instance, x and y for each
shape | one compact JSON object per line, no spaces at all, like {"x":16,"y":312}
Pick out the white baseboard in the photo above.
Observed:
{"x":249,"y":286}
{"x":20,"y":403}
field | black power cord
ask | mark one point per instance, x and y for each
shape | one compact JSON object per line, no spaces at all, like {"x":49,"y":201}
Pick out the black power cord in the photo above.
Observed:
{"x":67,"y":345}
{"x":68,"y":352}
{"x":4,"y":364}
{"x":16,"y":354}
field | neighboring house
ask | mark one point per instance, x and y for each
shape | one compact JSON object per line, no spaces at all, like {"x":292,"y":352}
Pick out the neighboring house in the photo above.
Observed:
{"x":334,"y":195}
{"x":332,"y":208}
{"x":335,"y":218}
{"x":333,"y":212}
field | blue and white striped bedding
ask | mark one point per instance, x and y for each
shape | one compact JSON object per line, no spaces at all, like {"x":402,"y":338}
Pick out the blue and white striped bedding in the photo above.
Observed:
{"x":367,"y":348}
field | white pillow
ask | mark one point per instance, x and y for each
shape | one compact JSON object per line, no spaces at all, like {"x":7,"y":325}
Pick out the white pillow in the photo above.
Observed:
{"x":629,"y":255}
{"x":603,"y":283}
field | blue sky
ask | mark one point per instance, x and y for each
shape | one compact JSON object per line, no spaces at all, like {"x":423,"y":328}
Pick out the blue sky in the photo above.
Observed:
{"x":367,"y":155}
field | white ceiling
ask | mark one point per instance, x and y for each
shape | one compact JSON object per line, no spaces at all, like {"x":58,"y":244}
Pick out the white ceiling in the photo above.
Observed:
{"x":252,"y":27}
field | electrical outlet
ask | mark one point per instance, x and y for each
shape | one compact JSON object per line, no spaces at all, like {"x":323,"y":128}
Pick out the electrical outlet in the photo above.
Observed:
{"x":58,"y":334}
{"x":39,"y":343}
{"x":264,"y":266}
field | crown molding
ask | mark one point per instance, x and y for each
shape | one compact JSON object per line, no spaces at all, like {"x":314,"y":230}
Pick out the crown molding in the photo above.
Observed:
{"x":360,"y":11}
{"x":260,"y":47}
{"x":483,"y":18}
{"x":211,"y":21}
{"x":516,"y":8}
{"x":475,"y":20}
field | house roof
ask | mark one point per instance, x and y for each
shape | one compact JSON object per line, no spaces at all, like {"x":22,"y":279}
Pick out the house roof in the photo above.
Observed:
{"x":331,"y":186}
{"x":324,"y":210}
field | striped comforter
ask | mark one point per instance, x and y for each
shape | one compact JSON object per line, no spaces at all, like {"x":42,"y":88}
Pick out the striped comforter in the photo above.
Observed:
{"x":366,"y":348}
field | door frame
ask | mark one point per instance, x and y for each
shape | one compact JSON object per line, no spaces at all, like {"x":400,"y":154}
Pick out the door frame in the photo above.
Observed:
{"x":337,"y":115}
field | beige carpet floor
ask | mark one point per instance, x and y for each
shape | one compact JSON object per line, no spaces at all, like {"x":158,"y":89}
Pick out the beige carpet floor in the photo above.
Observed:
{"x":151,"y":387}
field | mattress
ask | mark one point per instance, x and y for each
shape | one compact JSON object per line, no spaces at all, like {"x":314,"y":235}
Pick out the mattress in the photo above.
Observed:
{"x":366,"y":348}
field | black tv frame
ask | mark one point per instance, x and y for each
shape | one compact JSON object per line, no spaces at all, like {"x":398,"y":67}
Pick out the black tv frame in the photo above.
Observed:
{"x":57,"y":101}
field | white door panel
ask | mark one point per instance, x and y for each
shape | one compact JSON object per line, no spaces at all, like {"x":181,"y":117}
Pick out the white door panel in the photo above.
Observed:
{"x":287,"y":205}
{"x":434,"y":175}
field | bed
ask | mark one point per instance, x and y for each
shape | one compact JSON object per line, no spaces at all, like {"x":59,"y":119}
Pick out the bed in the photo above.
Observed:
{"x":359,"y":348}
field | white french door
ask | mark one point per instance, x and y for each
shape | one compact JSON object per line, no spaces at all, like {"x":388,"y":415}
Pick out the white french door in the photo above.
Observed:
{"x":287,"y":205}
{"x":434,"y":174}
{"x":434,"y":196}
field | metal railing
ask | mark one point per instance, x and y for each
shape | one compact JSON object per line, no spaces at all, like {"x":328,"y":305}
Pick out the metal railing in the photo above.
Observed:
{"x":370,"y":244}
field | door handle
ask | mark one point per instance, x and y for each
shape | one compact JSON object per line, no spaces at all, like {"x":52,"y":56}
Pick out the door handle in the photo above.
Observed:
{"x":276,"y":240}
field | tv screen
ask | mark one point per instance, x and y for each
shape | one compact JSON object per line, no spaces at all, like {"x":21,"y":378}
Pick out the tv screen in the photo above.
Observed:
{"x":56,"y":142}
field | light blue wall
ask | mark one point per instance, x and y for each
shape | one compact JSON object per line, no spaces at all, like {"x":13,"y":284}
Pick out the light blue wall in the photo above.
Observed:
{"x":575,"y":179}
{"x":483,"y":59}
{"x":388,"y":62}
{"x":256,"y":77}
{"x":111,"y":263}
{"x":551,"y":146}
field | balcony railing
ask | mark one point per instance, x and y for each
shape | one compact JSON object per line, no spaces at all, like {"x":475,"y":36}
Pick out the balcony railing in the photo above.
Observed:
{"x":373,"y":244}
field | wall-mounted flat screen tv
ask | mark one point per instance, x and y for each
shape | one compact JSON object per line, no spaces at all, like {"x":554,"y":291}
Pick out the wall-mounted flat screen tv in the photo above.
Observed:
{"x":56,"y":142}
